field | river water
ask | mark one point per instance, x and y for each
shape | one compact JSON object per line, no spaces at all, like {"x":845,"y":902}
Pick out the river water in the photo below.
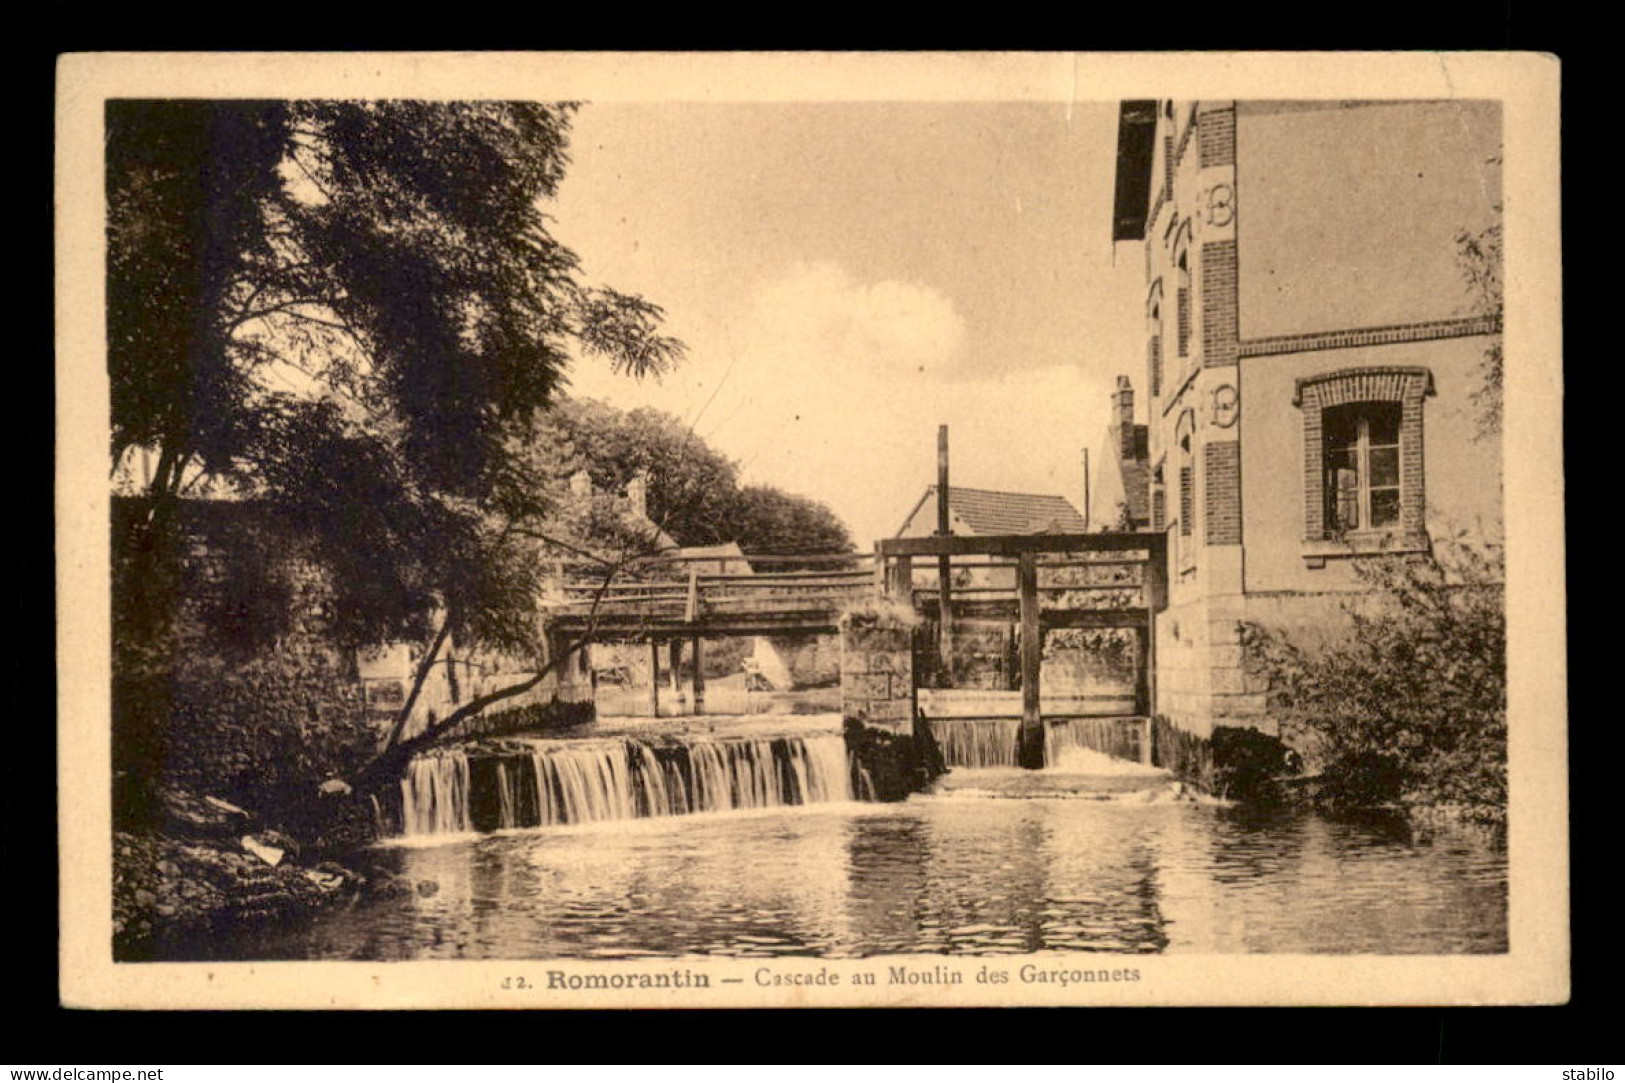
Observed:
{"x":956,"y":872}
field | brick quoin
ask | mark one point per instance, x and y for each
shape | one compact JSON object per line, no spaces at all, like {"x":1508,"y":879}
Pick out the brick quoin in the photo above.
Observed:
{"x":1216,"y":138}
{"x":1221,"y":492}
{"x":1220,"y":339}
{"x":1185,"y":138}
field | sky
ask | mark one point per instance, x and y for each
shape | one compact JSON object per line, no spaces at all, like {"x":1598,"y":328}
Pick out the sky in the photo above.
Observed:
{"x":848,"y":276}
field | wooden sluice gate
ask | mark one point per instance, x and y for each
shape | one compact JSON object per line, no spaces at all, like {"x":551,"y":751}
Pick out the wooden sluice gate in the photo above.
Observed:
{"x":1035,"y":585}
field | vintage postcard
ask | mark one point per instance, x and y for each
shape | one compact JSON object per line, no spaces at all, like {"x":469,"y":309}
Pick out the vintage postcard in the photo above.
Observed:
{"x":678,"y":531}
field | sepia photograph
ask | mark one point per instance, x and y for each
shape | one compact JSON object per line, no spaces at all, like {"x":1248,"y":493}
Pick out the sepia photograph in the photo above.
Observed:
{"x":629,"y":531}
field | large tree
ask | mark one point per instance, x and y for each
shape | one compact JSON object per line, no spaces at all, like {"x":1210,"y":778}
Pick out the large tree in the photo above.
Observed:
{"x":694,"y":493}
{"x":352,"y":312}
{"x":768,"y":520}
{"x":690,"y":484}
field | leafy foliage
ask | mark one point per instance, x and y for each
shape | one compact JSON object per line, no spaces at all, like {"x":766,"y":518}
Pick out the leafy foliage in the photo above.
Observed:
{"x":769,"y":520}
{"x":1480,"y":257}
{"x":354,"y":311}
{"x":690,"y":485}
{"x":1408,"y":706}
{"x":693,"y":490}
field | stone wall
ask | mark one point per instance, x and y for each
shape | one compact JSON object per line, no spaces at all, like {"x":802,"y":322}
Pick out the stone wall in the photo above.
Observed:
{"x":877,"y":672}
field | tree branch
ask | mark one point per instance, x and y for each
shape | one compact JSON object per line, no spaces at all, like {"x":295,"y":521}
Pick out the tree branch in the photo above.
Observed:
{"x":396,"y":753}
{"x":424,"y":666}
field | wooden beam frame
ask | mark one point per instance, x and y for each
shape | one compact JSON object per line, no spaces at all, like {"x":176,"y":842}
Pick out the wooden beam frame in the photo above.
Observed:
{"x":1155,"y":545}
{"x":1031,"y":743}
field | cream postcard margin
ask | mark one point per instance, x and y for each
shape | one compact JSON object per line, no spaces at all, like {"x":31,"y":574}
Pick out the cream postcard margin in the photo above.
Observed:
{"x":1534,"y":971}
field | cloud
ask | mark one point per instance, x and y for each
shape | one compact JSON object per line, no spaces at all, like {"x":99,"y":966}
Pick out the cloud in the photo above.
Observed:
{"x":818,"y":310}
{"x":833,"y":387}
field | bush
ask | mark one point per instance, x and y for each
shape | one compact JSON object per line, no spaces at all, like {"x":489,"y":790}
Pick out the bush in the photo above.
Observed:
{"x":1408,"y":707}
{"x":1248,"y":764}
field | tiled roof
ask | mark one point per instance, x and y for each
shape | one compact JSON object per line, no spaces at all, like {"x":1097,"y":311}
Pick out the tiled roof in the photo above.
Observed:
{"x":986,"y":511}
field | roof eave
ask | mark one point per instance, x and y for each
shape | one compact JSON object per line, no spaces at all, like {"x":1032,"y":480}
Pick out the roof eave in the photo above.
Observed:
{"x":1136,"y":132}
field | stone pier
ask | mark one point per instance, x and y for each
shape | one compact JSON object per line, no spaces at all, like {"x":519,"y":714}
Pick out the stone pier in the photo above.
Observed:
{"x":877,"y":672}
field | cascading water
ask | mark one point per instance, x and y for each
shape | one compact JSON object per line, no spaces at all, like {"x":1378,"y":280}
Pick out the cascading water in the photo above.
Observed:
{"x":1116,"y":737}
{"x":434,"y":795}
{"x":555,"y":782}
{"x":976,"y":742}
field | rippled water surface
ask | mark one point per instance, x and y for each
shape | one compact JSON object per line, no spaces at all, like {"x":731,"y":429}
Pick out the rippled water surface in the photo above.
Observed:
{"x":950,"y":874}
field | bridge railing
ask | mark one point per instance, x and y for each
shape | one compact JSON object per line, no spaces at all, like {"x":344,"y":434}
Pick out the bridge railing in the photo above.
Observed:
{"x":691,"y":587}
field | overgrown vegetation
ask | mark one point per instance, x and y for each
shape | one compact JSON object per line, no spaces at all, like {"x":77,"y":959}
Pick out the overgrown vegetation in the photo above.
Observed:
{"x":1480,"y":258}
{"x":1407,"y":706}
{"x":346,"y":317}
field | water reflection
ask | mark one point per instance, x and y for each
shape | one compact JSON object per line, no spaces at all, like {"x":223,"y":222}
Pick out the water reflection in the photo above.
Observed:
{"x":934,"y":874}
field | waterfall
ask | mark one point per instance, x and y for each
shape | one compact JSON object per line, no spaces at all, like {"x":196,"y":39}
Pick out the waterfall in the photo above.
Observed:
{"x":574,"y":781}
{"x":434,"y":795}
{"x":1119,"y":737}
{"x":976,"y":742}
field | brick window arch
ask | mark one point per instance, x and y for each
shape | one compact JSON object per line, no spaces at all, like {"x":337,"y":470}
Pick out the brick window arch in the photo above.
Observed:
{"x":1362,"y":455}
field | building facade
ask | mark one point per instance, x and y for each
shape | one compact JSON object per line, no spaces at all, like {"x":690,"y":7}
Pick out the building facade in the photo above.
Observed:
{"x":1312,"y":358}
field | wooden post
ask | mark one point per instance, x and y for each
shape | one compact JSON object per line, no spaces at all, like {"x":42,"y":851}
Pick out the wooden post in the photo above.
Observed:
{"x":654,"y":678}
{"x":697,"y":660}
{"x":879,"y":570}
{"x":1155,"y":588}
{"x":1031,"y":750}
{"x":691,"y":611}
{"x":676,"y":651}
{"x":902,"y":582}
{"x":945,"y":570}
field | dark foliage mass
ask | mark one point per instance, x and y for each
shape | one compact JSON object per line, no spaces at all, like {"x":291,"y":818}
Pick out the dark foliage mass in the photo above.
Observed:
{"x":352,"y":311}
{"x":1249,"y":765}
{"x":342,"y":319}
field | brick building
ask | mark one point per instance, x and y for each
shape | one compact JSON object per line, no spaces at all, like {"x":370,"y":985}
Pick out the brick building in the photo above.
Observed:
{"x":1312,"y":352}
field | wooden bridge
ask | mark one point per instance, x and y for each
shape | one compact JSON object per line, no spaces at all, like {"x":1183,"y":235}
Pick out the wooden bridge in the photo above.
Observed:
{"x":676,"y":597}
{"x":1031,"y":582}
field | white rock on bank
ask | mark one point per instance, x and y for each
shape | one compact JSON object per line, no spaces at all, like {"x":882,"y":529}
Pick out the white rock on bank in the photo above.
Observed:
{"x":268,"y":854}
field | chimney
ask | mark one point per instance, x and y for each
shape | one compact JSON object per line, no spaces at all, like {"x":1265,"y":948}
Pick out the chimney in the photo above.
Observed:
{"x":1123,"y":417}
{"x":637,"y":494}
{"x":581,"y":483}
